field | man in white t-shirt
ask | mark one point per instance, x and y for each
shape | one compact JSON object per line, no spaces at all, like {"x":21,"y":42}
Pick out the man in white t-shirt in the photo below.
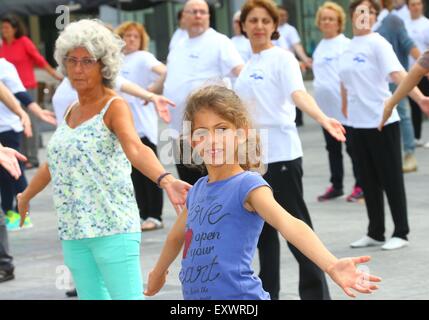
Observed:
{"x":291,"y":37}
{"x":206,"y":56}
{"x":240,"y":41}
{"x":181,"y":33}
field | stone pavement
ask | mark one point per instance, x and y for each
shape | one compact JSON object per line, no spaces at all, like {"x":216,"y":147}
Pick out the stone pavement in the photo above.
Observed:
{"x":39,"y":263}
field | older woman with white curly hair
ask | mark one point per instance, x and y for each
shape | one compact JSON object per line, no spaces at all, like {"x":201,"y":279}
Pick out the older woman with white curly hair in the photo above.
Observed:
{"x":89,"y":164}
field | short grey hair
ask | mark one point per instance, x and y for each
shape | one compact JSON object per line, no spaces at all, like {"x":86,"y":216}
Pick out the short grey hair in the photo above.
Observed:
{"x":100,"y":42}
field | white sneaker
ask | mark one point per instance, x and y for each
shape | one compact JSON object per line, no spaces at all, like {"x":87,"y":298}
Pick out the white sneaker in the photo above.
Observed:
{"x":426,"y":145}
{"x":395,"y":243}
{"x":419,"y":143}
{"x":366,"y":242}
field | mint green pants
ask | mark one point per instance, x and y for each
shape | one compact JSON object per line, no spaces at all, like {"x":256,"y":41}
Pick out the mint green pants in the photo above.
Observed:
{"x":106,"y":268}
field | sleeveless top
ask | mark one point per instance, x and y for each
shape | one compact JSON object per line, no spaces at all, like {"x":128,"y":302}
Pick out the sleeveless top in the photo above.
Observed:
{"x":92,"y":188}
{"x":220,"y":241}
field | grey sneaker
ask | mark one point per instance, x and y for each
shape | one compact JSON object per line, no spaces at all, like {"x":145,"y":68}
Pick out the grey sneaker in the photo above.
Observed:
{"x":410,"y":163}
{"x":6,"y":275}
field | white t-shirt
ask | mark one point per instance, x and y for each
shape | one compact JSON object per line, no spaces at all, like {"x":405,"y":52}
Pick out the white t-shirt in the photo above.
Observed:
{"x":65,"y":95}
{"x":9,"y":76}
{"x":290,"y":35}
{"x":403,"y":13}
{"x":383,"y":14}
{"x":193,"y":63}
{"x":178,"y":36}
{"x":327,"y":82}
{"x":266,"y":85}
{"x":418,"y":30}
{"x":365,"y":67}
{"x":137,"y":68}
{"x":242,"y":44}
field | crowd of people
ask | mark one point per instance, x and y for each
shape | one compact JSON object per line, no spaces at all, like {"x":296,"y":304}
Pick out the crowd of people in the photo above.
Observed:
{"x":214,"y":93}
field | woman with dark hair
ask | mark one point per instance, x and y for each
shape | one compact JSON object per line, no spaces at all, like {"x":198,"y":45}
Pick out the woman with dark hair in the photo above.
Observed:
{"x":271,"y":85}
{"x":19,"y":50}
{"x":366,"y":67}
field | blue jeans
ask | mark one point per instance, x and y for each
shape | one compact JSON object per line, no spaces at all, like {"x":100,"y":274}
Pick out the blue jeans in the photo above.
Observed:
{"x":407,"y":130}
{"x":106,"y":268}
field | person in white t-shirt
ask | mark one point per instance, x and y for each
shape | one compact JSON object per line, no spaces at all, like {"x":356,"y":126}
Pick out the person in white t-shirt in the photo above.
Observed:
{"x":290,"y":40}
{"x":418,"y":29}
{"x":205,"y":56}
{"x":291,"y":37}
{"x":141,"y":67}
{"x":181,"y":33}
{"x":331,"y":19}
{"x":240,"y":41}
{"x":401,"y":10}
{"x":11,"y":132}
{"x":271,"y":85}
{"x":366,"y":67}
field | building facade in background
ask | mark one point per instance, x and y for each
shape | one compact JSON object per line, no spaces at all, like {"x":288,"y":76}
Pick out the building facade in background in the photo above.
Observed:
{"x":160,"y":22}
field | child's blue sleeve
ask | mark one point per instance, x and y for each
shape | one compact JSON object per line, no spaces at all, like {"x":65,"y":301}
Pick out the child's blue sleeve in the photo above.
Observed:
{"x":250,"y":182}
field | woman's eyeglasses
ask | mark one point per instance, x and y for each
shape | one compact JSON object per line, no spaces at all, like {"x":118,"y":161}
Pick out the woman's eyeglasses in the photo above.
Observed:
{"x":86,"y":63}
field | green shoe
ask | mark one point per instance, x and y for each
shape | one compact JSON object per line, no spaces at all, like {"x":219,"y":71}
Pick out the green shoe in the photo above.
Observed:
{"x":12,"y":216}
{"x":12,"y":225}
{"x":27,"y":223}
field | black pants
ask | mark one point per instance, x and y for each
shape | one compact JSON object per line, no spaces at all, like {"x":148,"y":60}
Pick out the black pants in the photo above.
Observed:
{"x":286,"y":180}
{"x":189,"y":175}
{"x":380,"y":162}
{"x":335,"y":155}
{"x":299,"y":120}
{"x":149,"y":197}
{"x":9,"y":187}
{"x":416,"y":112}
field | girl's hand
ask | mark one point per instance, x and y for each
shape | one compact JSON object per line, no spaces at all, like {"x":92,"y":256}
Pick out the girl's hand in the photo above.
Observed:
{"x":387,"y":113}
{"x":335,"y":128}
{"x":155,"y":282}
{"x":347,"y":276}
{"x":161,"y":103}
{"x":9,"y":160}
{"x":23,"y":206}
{"x":177,"y":191}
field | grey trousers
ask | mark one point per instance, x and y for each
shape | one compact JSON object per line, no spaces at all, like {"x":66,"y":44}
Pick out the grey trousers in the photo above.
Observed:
{"x":5,"y":258}
{"x":30,"y":146}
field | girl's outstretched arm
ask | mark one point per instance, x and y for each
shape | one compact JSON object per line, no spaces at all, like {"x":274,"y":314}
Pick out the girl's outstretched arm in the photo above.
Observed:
{"x":342,"y":271}
{"x":171,"y":249}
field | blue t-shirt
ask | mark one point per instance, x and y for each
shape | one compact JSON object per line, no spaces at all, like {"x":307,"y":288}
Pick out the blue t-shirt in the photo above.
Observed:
{"x":220,"y":241}
{"x":393,"y":30}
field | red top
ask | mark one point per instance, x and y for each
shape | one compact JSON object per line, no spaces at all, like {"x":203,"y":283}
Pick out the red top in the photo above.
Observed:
{"x":23,"y":54}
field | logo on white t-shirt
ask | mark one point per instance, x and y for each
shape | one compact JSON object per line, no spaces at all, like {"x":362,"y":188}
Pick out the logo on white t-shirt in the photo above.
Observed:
{"x":257,"y":75}
{"x":359,"y":58}
{"x":328,"y":59}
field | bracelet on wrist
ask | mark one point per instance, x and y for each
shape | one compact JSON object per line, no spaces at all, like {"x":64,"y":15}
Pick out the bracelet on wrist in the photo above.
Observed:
{"x":150,"y":97}
{"x":162,"y":176}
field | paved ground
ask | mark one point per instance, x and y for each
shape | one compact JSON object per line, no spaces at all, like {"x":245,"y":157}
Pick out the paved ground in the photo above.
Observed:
{"x":38,"y":258}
